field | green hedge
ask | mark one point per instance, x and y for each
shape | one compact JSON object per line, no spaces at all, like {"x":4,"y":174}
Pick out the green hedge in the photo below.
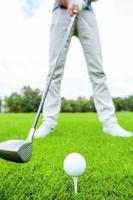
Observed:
{"x":28,"y":101}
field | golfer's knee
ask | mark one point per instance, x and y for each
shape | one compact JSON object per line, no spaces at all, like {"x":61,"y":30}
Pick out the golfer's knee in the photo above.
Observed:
{"x":97,"y":76}
{"x":56,"y":79}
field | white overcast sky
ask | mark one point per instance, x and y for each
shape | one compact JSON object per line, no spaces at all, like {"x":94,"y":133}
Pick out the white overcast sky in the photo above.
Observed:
{"x":24,"y":48}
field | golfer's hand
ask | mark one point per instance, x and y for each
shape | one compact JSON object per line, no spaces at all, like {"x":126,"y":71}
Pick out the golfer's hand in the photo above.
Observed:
{"x":73,"y":9}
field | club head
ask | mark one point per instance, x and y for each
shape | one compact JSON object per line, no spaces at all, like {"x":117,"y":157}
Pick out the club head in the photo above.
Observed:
{"x":19,"y":151}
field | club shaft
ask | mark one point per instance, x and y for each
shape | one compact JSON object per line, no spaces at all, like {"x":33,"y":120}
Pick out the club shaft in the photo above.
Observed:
{"x":52,"y":73}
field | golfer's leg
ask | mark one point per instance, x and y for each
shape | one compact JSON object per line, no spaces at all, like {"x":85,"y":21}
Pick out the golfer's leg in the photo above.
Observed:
{"x":60,"y":23}
{"x":89,"y":38}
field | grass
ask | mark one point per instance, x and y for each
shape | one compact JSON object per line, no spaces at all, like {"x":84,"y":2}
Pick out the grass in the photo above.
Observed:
{"x":109,"y":174}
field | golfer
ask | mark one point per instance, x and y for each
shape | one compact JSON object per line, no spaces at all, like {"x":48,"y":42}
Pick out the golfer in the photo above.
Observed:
{"x":85,"y":28}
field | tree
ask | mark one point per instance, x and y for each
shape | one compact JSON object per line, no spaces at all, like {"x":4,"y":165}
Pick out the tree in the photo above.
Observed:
{"x":80,"y":105}
{"x":65,"y":106}
{"x":119,"y":103}
{"x":30,"y":99}
{"x":27,"y":101}
{"x":13,"y":102}
{"x":0,"y":104}
{"x":91,"y":105}
{"x":129,"y":103}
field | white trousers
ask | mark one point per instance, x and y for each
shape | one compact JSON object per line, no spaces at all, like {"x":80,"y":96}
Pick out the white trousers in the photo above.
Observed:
{"x":85,"y":28}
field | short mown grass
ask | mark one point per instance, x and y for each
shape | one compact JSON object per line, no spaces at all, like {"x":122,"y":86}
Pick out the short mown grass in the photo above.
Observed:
{"x":109,"y":174}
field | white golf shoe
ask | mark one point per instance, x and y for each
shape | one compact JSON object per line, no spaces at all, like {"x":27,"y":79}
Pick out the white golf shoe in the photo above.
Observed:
{"x":116,"y":130}
{"x":44,"y":129}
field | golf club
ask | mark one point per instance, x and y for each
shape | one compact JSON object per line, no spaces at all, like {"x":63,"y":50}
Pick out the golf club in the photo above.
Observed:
{"x":20,"y":151}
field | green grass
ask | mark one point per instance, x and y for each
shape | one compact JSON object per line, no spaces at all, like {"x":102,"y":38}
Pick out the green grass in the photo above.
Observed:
{"x":109,"y":173}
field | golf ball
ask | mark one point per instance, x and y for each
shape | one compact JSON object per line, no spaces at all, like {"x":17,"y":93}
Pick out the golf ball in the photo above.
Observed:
{"x":74,"y":164}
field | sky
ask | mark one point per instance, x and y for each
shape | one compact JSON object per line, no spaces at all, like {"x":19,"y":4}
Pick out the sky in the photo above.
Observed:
{"x":24,"y":48}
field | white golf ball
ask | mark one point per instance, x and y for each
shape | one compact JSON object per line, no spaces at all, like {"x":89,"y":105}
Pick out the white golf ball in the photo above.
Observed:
{"x":74,"y":164}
